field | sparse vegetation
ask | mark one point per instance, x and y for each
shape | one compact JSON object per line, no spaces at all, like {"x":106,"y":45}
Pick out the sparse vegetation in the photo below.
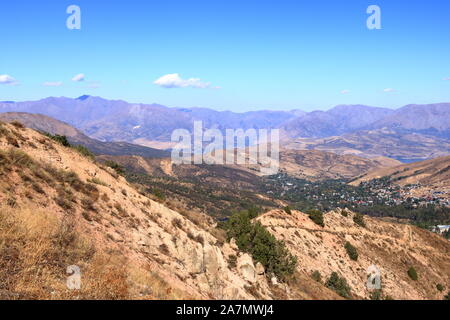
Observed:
{"x":17,"y":124}
{"x":177,"y":223}
{"x":164,"y":249}
{"x":351,"y":251}
{"x":62,"y":140}
{"x":120,"y":210}
{"x":158,"y":193}
{"x":36,"y":249}
{"x":98,"y":181}
{"x":376,"y":294}
{"x":412,"y":273}
{"x":316,"y":276}
{"x":253,"y":238}
{"x":440,"y":287}
{"x":287,"y":209}
{"x":316,"y":216}
{"x":232,"y":261}
{"x":116,"y":167}
{"x":84,"y":151}
{"x":358,"y":218}
{"x":339,"y":285}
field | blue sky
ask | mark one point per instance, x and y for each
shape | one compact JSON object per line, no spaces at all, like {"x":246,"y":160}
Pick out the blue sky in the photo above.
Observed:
{"x":247,"y":54}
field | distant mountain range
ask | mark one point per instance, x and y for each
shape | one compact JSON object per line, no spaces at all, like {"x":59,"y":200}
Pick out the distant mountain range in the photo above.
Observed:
{"x":397,"y":144}
{"x":414,"y":132}
{"x":339,"y":120}
{"x":47,"y":124}
{"x":116,"y":120}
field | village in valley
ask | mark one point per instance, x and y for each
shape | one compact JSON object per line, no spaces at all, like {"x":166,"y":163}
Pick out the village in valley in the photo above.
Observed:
{"x":377,"y":197}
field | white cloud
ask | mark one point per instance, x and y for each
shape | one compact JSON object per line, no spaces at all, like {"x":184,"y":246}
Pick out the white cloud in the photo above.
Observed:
{"x":345,"y":91}
{"x":174,"y":80}
{"x":6,"y":79}
{"x":447,"y":79}
{"x":78,"y":77}
{"x":53,"y":84}
{"x":93,"y":85}
{"x":388,"y":90}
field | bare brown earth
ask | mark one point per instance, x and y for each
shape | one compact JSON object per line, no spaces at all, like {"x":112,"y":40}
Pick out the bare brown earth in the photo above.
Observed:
{"x":59,"y":208}
{"x":158,"y":253}
{"x":306,"y":164}
{"x":218,"y":190}
{"x":433,"y":176}
{"x":319,"y":165}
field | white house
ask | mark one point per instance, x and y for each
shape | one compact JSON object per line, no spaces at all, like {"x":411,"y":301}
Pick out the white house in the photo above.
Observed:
{"x":441,"y":229}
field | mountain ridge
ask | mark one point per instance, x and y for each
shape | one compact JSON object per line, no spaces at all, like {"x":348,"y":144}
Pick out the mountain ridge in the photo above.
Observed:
{"x":55,"y":127}
{"x":152,"y":124}
{"x":59,"y":208}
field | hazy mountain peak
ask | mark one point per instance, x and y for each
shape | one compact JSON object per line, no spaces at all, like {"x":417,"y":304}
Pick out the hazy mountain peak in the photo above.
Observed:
{"x":83,"y":97}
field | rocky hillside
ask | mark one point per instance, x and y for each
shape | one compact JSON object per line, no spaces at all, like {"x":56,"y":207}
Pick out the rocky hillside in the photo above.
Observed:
{"x":50,"y":125}
{"x":393,"y":248}
{"x":320,"y":165}
{"x":59,"y":209}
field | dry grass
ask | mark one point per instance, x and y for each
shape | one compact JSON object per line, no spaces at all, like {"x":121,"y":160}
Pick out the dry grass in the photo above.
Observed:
{"x":37,"y":245}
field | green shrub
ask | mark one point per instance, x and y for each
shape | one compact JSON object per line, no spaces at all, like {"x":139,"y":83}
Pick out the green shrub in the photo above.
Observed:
{"x":232,"y":261}
{"x":316,"y":276}
{"x":97,"y":181}
{"x":17,"y":124}
{"x":447,"y":297}
{"x":58,"y":138}
{"x":62,"y":140}
{"x":376,"y":295}
{"x":351,"y":251}
{"x":412,"y":273}
{"x":339,"y":285}
{"x":440,"y":287}
{"x":287,"y":209}
{"x":116,"y":167}
{"x":344,"y":213}
{"x":316,"y":216}
{"x":84,"y":151}
{"x":446,"y":234}
{"x":358,"y":218}
{"x":159,"y":194}
{"x":253,"y":238}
